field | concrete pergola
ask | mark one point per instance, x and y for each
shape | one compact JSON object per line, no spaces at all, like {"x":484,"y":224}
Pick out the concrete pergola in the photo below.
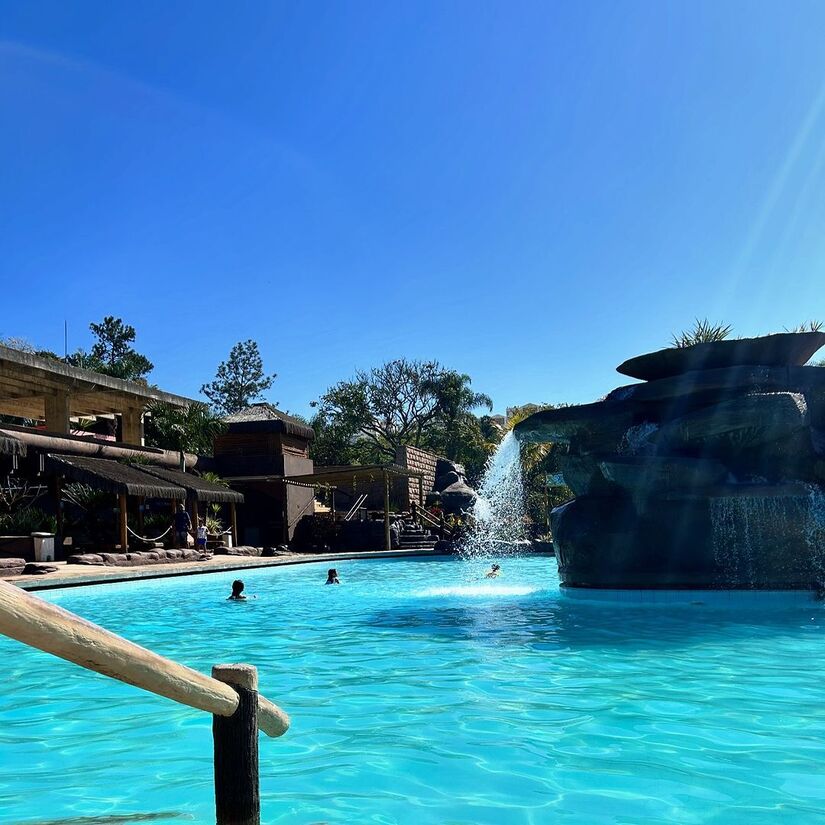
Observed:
{"x":47,"y":389}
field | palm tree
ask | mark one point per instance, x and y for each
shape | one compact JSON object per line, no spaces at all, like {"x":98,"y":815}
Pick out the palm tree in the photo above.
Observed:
{"x":191,"y":429}
{"x":456,"y":401}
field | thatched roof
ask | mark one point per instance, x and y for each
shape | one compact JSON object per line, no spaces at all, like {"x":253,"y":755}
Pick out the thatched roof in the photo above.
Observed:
{"x":11,"y":446}
{"x":113,"y":477}
{"x":265,"y":418}
{"x":198,"y":488}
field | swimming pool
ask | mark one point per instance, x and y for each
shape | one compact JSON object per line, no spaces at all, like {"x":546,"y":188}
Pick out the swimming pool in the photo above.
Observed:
{"x":422,"y":693}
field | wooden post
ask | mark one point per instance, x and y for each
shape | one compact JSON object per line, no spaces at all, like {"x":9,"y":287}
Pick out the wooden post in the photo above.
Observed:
{"x":58,"y":509}
{"x":237,"y":787}
{"x":194,"y":516}
{"x":387,"y":535}
{"x":56,"y":408}
{"x":233,"y":516}
{"x":332,"y":504}
{"x":441,"y":525}
{"x":141,"y":505}
{"x":124,"y":535}
{"x":132,"y":425}
{"x":174,"y":542}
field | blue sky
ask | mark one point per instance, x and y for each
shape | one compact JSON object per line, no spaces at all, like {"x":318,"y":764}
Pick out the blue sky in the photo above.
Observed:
{"x":528,"y":192}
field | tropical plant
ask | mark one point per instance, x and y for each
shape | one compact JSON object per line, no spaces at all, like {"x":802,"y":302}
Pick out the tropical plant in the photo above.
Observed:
{"x":189,"y":429}
{"x":456,"y":401}
{"x":214,"y":526}
{"x":807,"y":326}
{"x":88,"y":513}
{"x":702,"y":332}
{"x":239,"y":380}
{"x":27,"y":520}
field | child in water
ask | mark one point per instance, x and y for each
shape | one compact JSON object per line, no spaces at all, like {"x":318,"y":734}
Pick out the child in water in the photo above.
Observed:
{"x":237,"y":592}
{"x":332,"y":576}
{"x":494,"y":572}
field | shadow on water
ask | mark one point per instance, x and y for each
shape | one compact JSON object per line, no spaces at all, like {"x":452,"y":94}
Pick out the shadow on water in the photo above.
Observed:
{"x":553,"y":623}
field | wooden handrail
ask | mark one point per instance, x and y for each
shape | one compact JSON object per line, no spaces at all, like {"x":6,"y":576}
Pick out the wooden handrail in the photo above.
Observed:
{"x":50,"y":628}
{"x":425,"y":516}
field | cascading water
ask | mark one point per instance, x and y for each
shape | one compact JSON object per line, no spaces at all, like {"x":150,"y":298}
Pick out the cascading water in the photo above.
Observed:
{"x":497,"y":522}
{"x":744,"y":525}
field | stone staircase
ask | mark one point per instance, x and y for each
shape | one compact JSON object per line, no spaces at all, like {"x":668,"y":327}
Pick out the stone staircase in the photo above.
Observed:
{"x":414,"y":537}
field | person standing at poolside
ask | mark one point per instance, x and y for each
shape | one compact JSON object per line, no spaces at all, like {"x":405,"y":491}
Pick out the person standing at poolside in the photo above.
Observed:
{"x":200,"y":541}
{"x":183,"y":524}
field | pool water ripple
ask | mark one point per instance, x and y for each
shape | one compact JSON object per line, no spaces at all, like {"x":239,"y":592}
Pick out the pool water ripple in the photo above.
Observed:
{"x":421,"y":692}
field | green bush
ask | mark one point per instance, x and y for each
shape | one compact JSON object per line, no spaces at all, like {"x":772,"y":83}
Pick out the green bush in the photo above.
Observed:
{"x":27,"y":520}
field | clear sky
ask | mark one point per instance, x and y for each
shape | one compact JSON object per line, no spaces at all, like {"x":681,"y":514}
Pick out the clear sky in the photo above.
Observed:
{"x":528,"y":192}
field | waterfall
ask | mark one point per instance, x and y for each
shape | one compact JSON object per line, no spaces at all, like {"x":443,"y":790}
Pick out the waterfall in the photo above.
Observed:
{"x":815,"y":531}
{"x":744,"y":527}
{"x":497,"y":517}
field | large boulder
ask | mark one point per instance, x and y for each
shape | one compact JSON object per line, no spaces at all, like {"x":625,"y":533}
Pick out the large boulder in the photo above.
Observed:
{"x":739,"y":423}
{"x":458,"y":498}
{"x":646,"y":476}
{"x":444,"y":465}
{"x":443,"y":481}
{"x":707,"y":386}
{"x":784,"y":349}
{"x":583,"y":475}
{"x":589,"y":428}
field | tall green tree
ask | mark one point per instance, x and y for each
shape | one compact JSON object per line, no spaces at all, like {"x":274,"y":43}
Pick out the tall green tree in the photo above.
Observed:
{"x":239,"y":380}
{"x":385,"y":407}
{"x":403,"y":403}
{"x":112,"y":352}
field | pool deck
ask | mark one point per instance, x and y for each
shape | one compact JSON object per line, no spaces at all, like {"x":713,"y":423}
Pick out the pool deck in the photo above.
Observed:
{"x":76,"y":575}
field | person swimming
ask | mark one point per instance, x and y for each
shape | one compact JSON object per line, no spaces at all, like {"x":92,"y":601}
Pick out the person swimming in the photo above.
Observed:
{"x":237,"y":592}
{"x":332,"y":576}
{"x":494,"y":572}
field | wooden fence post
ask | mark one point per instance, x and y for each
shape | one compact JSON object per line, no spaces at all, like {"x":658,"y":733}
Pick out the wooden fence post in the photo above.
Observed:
{"x":237,"y":791}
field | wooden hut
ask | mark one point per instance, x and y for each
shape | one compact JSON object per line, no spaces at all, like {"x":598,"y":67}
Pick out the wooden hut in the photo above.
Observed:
{"x":124,"y":481}
{"x":260,"y":446}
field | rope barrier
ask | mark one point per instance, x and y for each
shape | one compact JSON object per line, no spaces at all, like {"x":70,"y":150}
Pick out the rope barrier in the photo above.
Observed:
{"x":143,"y":538}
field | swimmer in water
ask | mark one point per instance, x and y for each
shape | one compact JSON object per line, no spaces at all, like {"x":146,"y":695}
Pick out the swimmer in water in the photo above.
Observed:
{"x":494,"y":572}
{"x":237,"y":592}
{"x":332,"y":576}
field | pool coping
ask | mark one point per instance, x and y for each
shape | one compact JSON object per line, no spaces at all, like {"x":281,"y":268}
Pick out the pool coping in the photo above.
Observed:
{"x":116,"y":575}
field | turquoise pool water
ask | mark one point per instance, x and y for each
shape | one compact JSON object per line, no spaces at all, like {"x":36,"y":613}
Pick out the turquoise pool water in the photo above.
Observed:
{"x":422,"y":693}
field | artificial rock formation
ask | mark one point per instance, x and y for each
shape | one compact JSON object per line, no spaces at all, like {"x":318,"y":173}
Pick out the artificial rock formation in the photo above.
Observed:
{"x":710,"y":475}
{"x":450,"y":488}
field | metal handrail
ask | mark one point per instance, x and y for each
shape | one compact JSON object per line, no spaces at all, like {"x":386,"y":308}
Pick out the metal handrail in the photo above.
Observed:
{"x":355,"y":507}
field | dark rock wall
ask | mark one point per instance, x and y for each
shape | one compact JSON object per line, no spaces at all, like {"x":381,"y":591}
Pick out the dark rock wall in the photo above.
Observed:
{"x":706,"y":479}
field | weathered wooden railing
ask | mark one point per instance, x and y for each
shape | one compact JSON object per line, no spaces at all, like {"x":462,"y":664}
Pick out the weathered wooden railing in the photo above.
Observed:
{"x":425,"y":519}
{"x":230,"y":695}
